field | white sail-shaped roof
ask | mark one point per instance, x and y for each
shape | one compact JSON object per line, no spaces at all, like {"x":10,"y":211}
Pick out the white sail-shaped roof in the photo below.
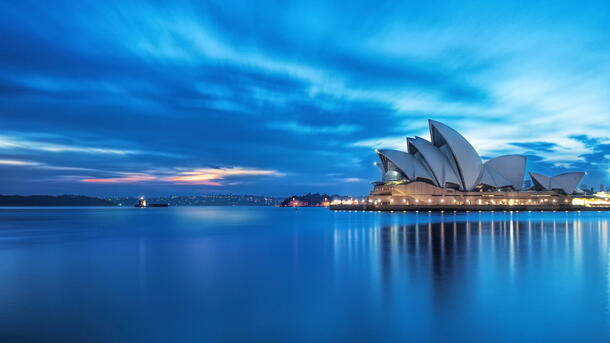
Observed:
{"x":465,"y":156}
{"x":447,"y":152}
{"x":491,"y":177}
{"x":389,"y":170}
{"x":435,"y":160}
{"x":540,"y":181}
{"x":509,"y":167}
{"x":423,"y":166}
{"x":566,"y":182}
{"x":408,"y":164}
{"x":383,"y":164}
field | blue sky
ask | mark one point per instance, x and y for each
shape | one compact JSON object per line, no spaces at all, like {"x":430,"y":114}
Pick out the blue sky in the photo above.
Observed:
{"x":282,"y":97}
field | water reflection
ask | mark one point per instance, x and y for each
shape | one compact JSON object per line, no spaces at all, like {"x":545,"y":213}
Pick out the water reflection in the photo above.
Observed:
{"x":489,"y":263}
{"x":312,"y":275}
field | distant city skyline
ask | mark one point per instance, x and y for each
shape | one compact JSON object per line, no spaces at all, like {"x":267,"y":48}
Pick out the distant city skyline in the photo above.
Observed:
{"x":109,"y":98}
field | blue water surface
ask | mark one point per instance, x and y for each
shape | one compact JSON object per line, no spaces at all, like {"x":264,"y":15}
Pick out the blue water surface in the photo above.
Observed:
{"x":264,"y":274}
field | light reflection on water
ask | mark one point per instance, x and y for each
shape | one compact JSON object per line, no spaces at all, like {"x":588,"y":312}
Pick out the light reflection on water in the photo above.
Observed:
{"x":275,"y":274}
{"x":492,"y":267}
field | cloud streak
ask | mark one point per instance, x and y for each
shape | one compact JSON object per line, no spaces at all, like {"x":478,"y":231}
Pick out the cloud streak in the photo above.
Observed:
{"x":18,"y":163}
{"x":203,"y":176}
{"x":17,"y":143}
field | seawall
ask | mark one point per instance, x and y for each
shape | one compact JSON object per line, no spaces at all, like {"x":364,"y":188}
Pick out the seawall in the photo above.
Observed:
{"x":461,"y":208}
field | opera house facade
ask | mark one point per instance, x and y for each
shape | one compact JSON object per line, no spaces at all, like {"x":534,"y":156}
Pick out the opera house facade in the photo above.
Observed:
{"x":447,"y":172}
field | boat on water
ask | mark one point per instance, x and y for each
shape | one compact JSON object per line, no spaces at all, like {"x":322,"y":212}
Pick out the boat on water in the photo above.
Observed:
{"x":142,"y":203}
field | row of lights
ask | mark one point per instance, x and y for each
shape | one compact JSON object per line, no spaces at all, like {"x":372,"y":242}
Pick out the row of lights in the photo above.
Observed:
{"x":468,"y":202}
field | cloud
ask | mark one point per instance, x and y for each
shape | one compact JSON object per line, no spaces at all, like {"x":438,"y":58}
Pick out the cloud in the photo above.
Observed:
{"x":212,"y":176}
{"x":201,"y":176}
{"x":40,"y":165}
{"x":17,"y":143}
{"x":353,"y":179}
{"x":18,"y":163}
{"x":398,"y":143}
{"x":309,"y":129}
{"x":536,"y":146}
{"x":597,"y":159}
{"x":124,"y":178}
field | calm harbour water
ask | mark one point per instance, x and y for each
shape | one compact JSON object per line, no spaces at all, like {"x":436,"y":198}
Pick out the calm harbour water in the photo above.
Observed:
{"x":262,"y":274}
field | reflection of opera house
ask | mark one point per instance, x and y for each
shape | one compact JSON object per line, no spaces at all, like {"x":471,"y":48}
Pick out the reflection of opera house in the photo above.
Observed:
{"x":447,"y":172}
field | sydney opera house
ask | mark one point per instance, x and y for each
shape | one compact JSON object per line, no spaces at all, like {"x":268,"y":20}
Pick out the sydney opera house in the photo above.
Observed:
{"x":448,"y":172}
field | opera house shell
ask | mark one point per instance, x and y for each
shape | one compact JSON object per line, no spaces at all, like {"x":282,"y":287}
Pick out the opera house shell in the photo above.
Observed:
{"x":449,"y":161}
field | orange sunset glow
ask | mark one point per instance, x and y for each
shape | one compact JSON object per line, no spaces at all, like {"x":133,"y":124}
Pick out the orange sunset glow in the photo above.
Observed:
{"x":203,"y":176}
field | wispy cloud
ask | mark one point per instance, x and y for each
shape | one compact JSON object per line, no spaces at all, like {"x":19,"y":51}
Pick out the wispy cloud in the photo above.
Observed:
{"x":18,"y":163}
{"x":16,"y":143}
{"x":353,"y":179}
{"x":536,"y":146}
{"x":296,"y":127}
{"x":124,"y":178}
{"x":42,"y":166}
{"x":202,"y":176}
{"x":397,"y":142}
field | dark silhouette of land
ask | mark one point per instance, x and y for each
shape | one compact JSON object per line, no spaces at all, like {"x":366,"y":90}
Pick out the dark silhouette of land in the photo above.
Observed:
{"x":49,"y":200}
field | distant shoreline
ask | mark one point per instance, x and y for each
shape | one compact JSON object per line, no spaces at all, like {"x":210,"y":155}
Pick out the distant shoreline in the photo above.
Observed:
{"x":50,"y":200}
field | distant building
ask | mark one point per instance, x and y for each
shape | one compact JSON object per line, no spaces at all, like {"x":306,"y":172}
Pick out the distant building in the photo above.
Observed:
{"x":310,"y":200}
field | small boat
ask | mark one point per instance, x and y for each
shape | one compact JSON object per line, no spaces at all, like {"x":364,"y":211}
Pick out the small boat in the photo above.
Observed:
{"x":142,"y":203}
{"x":158,"y":205}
